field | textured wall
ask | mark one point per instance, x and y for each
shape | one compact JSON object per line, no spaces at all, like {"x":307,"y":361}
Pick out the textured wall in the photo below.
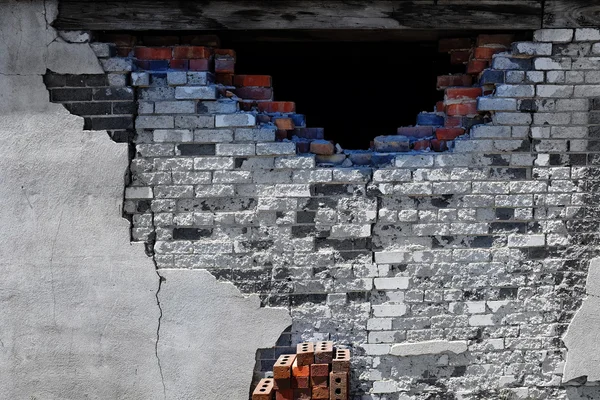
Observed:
{"x":451,"y":275}
{"x":84,"y":312}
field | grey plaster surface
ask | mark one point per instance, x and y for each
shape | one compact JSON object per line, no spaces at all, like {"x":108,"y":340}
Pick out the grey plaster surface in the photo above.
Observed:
{"x":428,"y":347}
{"x":80,"y":316}
{"x":209,"y":335}
{"x":583,"y":335}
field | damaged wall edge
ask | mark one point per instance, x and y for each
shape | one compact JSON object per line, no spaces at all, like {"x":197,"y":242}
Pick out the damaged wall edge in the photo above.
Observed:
{"x":79,"y":299}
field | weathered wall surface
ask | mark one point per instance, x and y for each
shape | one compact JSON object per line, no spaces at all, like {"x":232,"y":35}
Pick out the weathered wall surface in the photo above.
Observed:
{"x":451,"y":275}
{"x":80,"y":303}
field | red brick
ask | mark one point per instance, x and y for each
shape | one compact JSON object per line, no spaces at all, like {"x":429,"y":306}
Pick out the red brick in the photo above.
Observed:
{"x":320,"y":392}
{"x":448,"y":133}
{"x":254,"y":93}
{"x":310,"y":133}
{"x":486,"y":53}
{"x":302,"y":394}
{"x":415,"y":131}
{"x":445,"y":81}
{"x":124,"y":51}
{"x":323,"y":352}
{"x":264,"y":390}
{"x":305,"y":353}
{"x":225,"y":66}
{"x":469,"y":108}
{"x":422,"y":144}
{"x":179,"y":65}
{"x":153,"y":53}
{"x":283,"y":366}
{"x":319,"y":370}
{"x":459,"y":57}
{"x":440,"y":106}
{"x":287,"y":394}
{"x":453,"y":122}
{"x":457,"y":93}
{"x":439,"y":145}
{"x":224,"y":53}
{"x":319,"y":380}
{"x":300,"y":370}
{"x":450,"y":44}
{"x":199,"y":65}
{"x":191,"y":52}
{"x":281,"y":134}
{"x":302,"y":147}
{"x":277,"y":106}
{"x":501,"y":40}
{"x":224,"y":79}
{"x":476,"y":66}
{"x":341,"y":361}
{"x":300,"y":382}
{"x":284,"y":123}
{"x":282,"y":384}
{"x":322,"y":147}
{"x":252,"y":80}
{"x":338,"y":386}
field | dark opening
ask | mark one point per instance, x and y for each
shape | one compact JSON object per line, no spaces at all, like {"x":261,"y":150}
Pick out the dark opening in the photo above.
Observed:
{"x":356,"y":91}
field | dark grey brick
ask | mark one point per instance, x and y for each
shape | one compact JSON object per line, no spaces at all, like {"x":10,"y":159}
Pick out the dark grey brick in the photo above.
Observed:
{"x":191,"y":233}
{"x":196,"y":149}
{"x":65,"y":95}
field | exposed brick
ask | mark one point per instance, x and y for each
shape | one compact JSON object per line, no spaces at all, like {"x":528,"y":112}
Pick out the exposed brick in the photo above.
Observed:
{"x":439,"y":145}
{"x":448,"y":133}
{"x":415,"y":131}
{"x":153,"y":53}
{"x":462,"y":93}
{"x":264,"y":390}
{"x":486,"y":53}
{"x":252,"y":80}
{"x":224,"y":66}
{"x":501,"y":40}
{"x":459,"y":57}
{"x":284,"y":123}
{"x":305,"y":354}
{"x":224,"y":78}
{"x":277,"y":106}
{"x":465,"y":109}
{"x":421,"y":144}
{"x":191,"y":52}
{"x":254,"y":93}
{"x":476,"y":66}
{"x":198,"y":65}
{"x":445,"y":81}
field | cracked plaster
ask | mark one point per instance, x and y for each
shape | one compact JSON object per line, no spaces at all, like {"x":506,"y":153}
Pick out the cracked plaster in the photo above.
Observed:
{"x":81,"y":305}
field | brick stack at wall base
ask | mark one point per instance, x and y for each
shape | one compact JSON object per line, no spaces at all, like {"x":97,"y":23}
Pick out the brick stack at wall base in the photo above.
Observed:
{"x":482,"y":248}
{"x":316,"y":371}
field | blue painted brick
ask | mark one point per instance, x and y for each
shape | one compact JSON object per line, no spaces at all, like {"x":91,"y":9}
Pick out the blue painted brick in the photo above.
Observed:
{"x":489,"y":77}
{"x":298,"y":119}
{"x":152,"y":65}
{"x":430,"y":119}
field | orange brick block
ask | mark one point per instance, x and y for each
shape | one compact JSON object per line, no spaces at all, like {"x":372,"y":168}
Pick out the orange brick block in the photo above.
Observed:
{"x":341,"y":361}
{"x":300,"y":370}
{"x":252,"y":80}
{"x":284,"y":123}
{"x":305,"y":353}
{"x":283,"y":366}
{"x":264,"y":390}
{"x":323,"y":352}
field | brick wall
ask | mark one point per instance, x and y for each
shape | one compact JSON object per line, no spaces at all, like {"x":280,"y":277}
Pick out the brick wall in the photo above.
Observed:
{"x":471,"y":231}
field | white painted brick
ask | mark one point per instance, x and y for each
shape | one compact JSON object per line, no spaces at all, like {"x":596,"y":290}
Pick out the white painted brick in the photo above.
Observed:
{"x":587,"y":34}
{"x":376,"y":349}
{"x":213,"y":135}
{"x":526,"y":240}
{"x":134,"y":192}
{"x":299,"y":162}
{"x":379,"y":324}
{"x":172,"y":135}
{"x":391,"y":257}
{"x":475,"y":307}
{"x":532,"y":48}
{"x":194,"y":121}
{"x":196,"y":92}
{"x":553,"y":35}
{"x":278,"y":148}
{"x":240,"y":119}
{"x":175,"y":107}
{"x":213,"y":163}
{"x":587,"y":63}
{"x":238,"y":149}
{"x":388,"y":310}
{"x":140,"y":79}
{"x":254,"y":135}
{"x":399,"y":282}
{"x":481,"y":320}
{"x":487,"y":103}
{"x":414,"y":161}
{"x":150,"y":121}
{"x":214,"y":190}
{"x":547,"y":63}
{"x":176,"y":78}
{"x":516,"y":118}
{"x":515,"y":91}
{"x":554,"y":90}
{"x":392,"y":175}
{"x":490,"y":131}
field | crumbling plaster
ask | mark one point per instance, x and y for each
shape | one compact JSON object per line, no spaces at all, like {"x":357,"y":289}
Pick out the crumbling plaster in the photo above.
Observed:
{"x":80,"y":304}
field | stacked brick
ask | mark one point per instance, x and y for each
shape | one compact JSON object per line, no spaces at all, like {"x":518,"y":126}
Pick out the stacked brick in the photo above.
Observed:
{"x":482,"y":248}
{"x":317,"y":371}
